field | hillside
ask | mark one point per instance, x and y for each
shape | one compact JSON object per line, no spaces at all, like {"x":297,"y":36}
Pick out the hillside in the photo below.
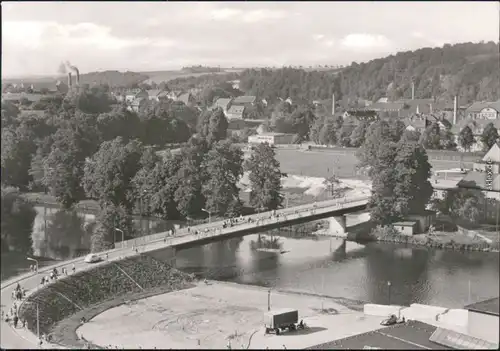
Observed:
{"x":471,"y":71}
{"x":167,"y":76}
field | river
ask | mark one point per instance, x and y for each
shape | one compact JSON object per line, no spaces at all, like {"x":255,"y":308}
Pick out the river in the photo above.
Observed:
{"x":311,"y":264}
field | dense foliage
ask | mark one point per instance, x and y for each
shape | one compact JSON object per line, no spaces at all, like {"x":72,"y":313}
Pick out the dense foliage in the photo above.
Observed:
{"x":18,"y":216}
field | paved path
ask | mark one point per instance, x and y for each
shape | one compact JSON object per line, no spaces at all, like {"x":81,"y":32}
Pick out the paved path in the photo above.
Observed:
{"x":20,"y":338}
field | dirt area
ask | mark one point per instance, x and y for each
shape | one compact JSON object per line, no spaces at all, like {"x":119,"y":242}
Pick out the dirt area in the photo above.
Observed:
{"x":211,"y":316}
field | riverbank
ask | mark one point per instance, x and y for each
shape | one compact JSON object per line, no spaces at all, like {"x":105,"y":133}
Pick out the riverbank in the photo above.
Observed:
{"x":215,"y":314}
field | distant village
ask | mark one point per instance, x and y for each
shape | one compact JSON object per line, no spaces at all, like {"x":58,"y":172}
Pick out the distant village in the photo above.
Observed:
{"x":417,"y":114}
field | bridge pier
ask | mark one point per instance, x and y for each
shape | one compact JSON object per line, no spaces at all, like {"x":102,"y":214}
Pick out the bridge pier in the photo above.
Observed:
{"x":338,"y":225}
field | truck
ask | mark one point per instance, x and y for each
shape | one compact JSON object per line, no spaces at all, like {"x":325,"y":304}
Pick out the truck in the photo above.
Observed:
{"x":278,"y":320}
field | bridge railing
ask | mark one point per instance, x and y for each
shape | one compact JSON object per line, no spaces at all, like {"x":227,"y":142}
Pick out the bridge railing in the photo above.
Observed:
{"x":259,"y":219}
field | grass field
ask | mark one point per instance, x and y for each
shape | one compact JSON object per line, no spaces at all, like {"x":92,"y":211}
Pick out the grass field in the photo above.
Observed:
{"x":321,"y":164}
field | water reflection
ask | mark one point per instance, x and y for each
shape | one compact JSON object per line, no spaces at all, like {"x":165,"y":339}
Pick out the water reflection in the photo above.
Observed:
{"x":60,"y":234}
{"x":347,"y":269}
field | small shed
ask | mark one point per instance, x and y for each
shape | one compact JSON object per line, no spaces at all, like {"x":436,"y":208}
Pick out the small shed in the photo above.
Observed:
{"x":406,"y":228}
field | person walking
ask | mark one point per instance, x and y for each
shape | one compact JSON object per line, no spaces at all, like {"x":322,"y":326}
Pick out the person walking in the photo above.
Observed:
{"x":16,"y":319}
{"x":73,"y":268}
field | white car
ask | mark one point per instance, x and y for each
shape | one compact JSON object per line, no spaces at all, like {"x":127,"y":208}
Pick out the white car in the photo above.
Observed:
{"x":92,"y":258}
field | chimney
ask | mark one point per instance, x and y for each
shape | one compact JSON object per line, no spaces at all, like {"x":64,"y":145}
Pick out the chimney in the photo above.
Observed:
{"x":78,"y":78}
{"x":412,"y":90}
{"x":70,"y":83}
{"x":333,"y":104}
{"x":455,"y":107}
{"x":430,"y":107}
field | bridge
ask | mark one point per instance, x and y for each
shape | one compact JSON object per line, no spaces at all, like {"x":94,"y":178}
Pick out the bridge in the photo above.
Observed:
{"x":186,"y":238}
{"x":22,"y":338}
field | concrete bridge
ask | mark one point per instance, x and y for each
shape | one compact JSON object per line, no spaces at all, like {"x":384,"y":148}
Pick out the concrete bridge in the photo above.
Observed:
{"x":186,"y":238}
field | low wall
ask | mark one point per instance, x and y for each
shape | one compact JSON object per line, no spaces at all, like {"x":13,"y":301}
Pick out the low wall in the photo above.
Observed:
{"x":382,"y":310}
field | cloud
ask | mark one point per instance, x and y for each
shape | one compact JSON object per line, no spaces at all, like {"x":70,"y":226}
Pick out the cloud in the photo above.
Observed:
{"x":318,"y":37}
{"x":365,"y":41}
{"x":252,"y":16}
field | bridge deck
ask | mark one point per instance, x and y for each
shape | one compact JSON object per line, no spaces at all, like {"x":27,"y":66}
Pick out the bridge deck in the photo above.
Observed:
{"x":214,"y":231}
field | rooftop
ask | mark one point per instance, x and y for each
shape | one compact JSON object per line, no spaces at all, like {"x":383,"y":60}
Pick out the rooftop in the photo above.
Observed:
{"x":412,"y":335}
{"x":245,"y":99}
{"x":490,"y":306}
{"x":405,"y":223}
{"x":477,"y":180}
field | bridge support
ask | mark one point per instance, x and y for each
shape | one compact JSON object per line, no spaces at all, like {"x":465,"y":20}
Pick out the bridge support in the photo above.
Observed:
{"x":338,"y":225}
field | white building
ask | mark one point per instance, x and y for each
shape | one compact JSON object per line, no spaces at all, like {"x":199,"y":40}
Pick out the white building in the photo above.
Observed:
{"x":271,"y":138}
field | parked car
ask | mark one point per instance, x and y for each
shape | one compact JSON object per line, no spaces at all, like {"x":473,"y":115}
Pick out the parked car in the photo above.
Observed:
{"x":92,"y":258}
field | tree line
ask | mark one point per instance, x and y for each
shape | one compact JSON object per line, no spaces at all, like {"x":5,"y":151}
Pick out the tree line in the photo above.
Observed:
{"x":84,"y":147}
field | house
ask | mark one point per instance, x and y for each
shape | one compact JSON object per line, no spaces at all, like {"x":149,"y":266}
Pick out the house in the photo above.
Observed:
{"x":235,"y":112}
{"x":244,"y":100}
{"x":408,"y":228}
{"x":360,"y":115}
{"x":174,"y":94}
{"x":186,"y":98}
{"x":138,"y":104}
{"x":485,"y":175}
{"x":482,"y":320}
{"x":388,"y":109}
{"x":264,"y":102}
{"x":271,"y":138}
{"x":223,"y":103}
{"x":235,"y":83}
{"x":423,"y":220}
{"x":134,"y":94}
{"x":153,"y":94}
{"x":483,"y":110}
{"x":289,"y":100}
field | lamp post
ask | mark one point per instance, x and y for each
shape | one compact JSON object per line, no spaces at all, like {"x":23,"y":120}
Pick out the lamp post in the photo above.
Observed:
{"x":269,"y":300}
{"x":123,"y":235}
{"x":389,"y":286}
{"x":36,"y":262}
{"x":209,"y":215}
{"x":37,"y":321}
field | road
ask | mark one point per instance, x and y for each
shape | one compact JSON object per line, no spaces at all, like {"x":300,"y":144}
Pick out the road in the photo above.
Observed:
{"x":20,"y":338}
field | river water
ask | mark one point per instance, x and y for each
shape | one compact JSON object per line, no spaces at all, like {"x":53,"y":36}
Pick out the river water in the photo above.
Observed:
{"x":312,"y":264}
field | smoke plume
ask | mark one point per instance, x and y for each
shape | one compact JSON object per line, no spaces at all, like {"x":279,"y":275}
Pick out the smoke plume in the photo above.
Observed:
{"x":62,"y":68}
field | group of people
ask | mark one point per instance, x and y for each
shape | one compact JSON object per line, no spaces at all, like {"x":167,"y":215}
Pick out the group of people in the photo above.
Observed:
{"x":54,"y":274}
{"x":12,"y":316}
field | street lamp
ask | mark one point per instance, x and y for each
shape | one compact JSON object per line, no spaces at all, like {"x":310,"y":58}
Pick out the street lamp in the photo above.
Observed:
{"x":269,"y":300}
{"x":389,"y":286}
{"x":209,"y":215}
{"x":36,"y":262}
{"x":123,"y":235}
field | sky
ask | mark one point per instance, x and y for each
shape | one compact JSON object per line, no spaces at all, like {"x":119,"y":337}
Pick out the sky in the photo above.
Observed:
{"x":153,"y":36}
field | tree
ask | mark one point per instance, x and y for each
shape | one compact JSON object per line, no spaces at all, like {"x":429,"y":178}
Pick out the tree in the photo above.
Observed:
{"x":410,"y":136}
{"x":431,"y":137}
{"x":63,"y":167}
{"x":213,"y":126}
{"x":447,"y":139}
{"x":265,"y":178}
{"x":316,"y":129}
{"x":412,"y":189}
{"x":110,"y":217}
{"x":344,"y":134}
{"x":189,"y":178}
{"x":357,"y":136}
{"x":301,"y":120}
{"x":397,"y":130}
{"x":489,"y":136}
{"x":119,"y":123}
{"x":223,"y":165}
{"x":466,"y":138}
{"x":376,"y":133}
{"x":18,"y":217}
{"x":108,"y":174}
{"x":16,"y":159}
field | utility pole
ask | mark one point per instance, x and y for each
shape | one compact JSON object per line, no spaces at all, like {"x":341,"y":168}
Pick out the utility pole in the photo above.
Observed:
{"x":37,"y":321}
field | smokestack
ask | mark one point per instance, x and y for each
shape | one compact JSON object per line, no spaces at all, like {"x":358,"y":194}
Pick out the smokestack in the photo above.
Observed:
{"x":77,"y":76}
{"x":333,"y":104}
{"x":412,"y":90}
{"x":455,"y":107}
{"x":430,"y":107}
{"x":70,"y":83}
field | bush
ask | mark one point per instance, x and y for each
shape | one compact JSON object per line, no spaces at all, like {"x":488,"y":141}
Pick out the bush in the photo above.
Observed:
{"x":385,"y":231}
{"x":84,"y":289}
